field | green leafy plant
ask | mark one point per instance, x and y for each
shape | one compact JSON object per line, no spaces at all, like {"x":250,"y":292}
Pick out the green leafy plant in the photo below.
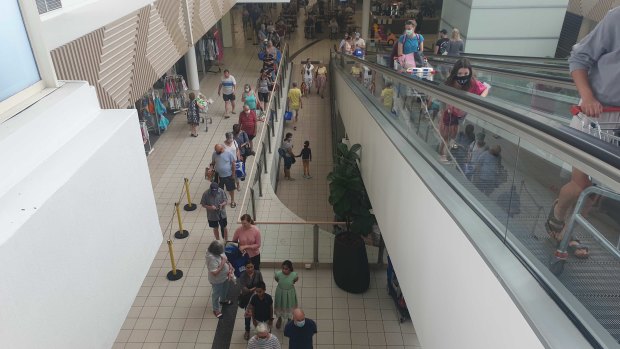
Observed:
{"x":347,"y":193}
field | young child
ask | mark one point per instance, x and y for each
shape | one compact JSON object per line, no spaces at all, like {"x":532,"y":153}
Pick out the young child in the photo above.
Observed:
{"x":304,"y":89}
{"x":286,"y":296}
{"x":261,"y":305}
{"x":306,"y":157}
{"x":387,"y":96}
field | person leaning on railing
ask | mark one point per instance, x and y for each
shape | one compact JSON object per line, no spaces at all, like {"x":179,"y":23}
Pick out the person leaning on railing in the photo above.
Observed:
{"x":594,"y":64}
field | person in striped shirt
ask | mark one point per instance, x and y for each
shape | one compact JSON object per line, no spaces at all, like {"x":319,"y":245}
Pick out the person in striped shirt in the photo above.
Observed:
{"x":263,"y":339}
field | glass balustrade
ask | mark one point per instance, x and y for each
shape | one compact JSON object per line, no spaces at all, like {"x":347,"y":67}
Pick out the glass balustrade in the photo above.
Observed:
{"x":512,"y":177}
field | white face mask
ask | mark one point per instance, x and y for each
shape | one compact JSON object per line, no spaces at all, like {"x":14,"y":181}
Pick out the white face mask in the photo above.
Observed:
{"x":247,"y":89}
{"x":409,"y":31}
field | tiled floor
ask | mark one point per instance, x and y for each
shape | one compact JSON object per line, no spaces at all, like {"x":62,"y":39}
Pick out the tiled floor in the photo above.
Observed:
{"x":178,"y":314}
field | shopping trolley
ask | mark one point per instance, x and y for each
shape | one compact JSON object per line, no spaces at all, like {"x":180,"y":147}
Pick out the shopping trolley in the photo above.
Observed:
{"x":606,"y":131}
{"x":609,"y":132}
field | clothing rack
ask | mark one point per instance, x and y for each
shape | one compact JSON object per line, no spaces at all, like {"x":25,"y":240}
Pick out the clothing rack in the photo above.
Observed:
{"x":174,"y":92}
{"x":210,"y":50}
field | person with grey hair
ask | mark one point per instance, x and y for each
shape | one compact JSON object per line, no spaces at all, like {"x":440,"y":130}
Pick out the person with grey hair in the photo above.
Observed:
{"x":263,"y":339}
{"x":231,"y":146}
{"x":219,"y":274}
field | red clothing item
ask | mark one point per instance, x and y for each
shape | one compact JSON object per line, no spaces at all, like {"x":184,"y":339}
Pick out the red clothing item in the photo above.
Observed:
{"x":248,"y":237}
{"x":248,"y":122}
{"x":452,"y":115}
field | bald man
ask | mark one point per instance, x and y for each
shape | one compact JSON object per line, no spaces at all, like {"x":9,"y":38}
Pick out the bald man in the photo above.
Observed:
{"x":224,"y":164}
{"x":300,"y":331}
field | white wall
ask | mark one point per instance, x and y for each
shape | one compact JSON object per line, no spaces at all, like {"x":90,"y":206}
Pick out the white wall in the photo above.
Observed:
{"x":455,"y":299}
{"x":508,"y":27}
{"x":78,"y":223}
{"x":80,"y":17}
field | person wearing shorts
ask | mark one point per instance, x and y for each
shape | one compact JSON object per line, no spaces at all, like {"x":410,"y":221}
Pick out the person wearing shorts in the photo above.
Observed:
{"x":227,"y":91}
{"x":594,"y":64}
{"x":307,"y":71}
{"x":262,"y":87}
{"x":215,"y":201}
{"x":287,"y":145}
{"x":224,"y":164}
{"x":294,"y":100}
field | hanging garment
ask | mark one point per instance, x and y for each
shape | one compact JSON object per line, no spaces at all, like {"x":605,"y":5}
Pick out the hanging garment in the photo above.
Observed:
{"x":211,"y":50}
{"x":160,"y":109}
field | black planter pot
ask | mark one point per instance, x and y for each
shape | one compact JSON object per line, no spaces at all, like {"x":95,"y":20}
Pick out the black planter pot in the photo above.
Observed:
{"x":350,"y":263}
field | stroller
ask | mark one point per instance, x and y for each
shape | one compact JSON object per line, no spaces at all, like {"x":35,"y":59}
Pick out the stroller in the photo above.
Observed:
{"x":237,"y":259}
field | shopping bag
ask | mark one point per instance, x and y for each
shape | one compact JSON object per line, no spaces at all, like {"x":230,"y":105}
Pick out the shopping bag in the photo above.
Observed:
{"x":288,"y":115}
{"x":240,"y":170}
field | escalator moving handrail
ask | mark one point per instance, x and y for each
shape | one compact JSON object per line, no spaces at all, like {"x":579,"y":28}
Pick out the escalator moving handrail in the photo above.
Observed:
{"x":582,"y":141}
{"x":523,"y":64}
{"x":539,"y":78}
{"x":558,"y":61}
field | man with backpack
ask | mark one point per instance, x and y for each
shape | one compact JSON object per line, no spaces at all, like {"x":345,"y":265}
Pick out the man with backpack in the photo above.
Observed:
{"x":441,"y":46}
{"x":410,"y":46}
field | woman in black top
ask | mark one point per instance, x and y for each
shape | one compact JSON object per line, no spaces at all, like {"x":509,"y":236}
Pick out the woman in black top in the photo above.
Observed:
{"x":306,"y":157}
{"x":248,"y":280}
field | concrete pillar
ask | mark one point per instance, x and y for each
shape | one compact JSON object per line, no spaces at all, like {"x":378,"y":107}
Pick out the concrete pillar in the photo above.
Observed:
{"x":227,"y":30}
{"x":365,"y":20}
{"x":191,"y":67}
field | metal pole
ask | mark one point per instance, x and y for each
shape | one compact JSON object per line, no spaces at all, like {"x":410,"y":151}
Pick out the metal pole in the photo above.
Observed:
{"x":174,"y":274}
{"x":260,"y":184}
{"x":181,"y":234}
{"x":264,"y":156}
{"x":253,"y":203}
{"x":189,"y":206}
{"x":315,"y":247}
{"x":268,"y":142}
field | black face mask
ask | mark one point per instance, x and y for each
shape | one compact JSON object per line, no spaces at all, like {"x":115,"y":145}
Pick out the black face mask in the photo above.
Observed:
{"x":463,"y":80}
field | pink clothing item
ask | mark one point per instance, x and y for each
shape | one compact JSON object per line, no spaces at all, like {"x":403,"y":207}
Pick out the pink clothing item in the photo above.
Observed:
{"x":477,"y":87}
{"x":248,"y":237}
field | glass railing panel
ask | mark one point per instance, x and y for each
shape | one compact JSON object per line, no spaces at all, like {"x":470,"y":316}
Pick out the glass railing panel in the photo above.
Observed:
{"x":528,"y":92}
{"x":513,"y":183}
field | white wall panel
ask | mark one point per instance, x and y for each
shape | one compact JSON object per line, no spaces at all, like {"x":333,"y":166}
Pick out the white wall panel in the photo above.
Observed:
{"x":78,"y":223}
{"x":455,"y":299}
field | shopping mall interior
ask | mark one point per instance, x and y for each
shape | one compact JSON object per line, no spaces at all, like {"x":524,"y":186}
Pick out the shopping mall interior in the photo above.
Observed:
{"x":348,"y":160}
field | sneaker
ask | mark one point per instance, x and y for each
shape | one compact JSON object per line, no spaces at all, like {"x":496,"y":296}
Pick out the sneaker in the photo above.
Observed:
{"x":444,"y":159}
{"x":226,"y":116}
{"x":308,"y":176}
{"x":218,"y":314}
{"x":233,"y":112}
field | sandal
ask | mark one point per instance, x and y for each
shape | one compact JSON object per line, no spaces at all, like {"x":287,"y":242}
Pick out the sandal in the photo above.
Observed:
{"x":553,"y":225}
{"x":579,"y":250}
{"x":233,"y":204}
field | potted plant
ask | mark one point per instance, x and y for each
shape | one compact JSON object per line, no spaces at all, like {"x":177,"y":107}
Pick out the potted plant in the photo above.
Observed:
{"x":350,"y":203}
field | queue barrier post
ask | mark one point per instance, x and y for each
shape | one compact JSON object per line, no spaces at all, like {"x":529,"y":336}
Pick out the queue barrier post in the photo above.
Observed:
{"x":189,"y":206}
{"x":175,"y":274}
{"x":181,"y":233}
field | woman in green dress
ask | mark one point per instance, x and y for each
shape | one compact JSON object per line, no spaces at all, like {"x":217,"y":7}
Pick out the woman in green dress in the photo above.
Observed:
{"x":286,"y":296}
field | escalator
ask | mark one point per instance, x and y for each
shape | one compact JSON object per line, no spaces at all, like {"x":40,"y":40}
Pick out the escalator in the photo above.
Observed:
{"x":536,"y":153}
{"x":526,"y":85}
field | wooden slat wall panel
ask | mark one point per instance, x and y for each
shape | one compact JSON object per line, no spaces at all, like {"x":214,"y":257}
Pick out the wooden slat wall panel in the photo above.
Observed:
{"x":593,"y":10}
{"x":144,"y":75}
{"x":125,"y":58}
{"x":117,"y":57}
{"x":161,"y":52}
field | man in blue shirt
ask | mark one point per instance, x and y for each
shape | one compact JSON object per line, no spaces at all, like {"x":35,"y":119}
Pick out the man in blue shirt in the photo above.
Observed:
{"x":224,"y":163}
{"x":300,"y":331}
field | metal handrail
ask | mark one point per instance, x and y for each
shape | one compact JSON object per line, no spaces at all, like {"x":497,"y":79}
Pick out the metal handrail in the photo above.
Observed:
{"x":589,"y":153}
{"x":250,"y":176}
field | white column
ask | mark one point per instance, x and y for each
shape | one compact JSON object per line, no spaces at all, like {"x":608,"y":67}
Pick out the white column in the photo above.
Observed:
{"x":227,"y":32}
{"x":191,"y":67}
{"x":365,"y":20}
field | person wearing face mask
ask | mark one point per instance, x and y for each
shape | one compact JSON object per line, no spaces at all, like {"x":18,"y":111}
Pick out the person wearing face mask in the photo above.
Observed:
{"x":263,"y":339}
{"x":249,"y":98}
{"x":307,"y":71}
{"x":300,"y":331}
{"x":461,"y":77}
{"x":409,"y":44}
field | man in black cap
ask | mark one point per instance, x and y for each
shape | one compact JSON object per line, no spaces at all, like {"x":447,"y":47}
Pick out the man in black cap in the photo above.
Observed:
{"x":215,"y":201}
